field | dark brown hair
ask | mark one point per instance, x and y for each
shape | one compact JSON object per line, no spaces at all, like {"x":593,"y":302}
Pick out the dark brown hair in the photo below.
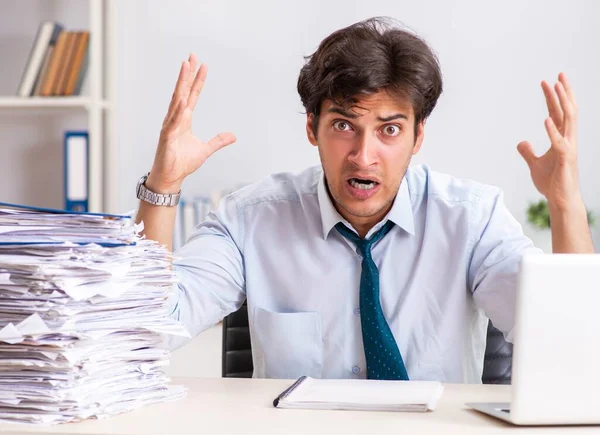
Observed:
{"x":366,"y":57}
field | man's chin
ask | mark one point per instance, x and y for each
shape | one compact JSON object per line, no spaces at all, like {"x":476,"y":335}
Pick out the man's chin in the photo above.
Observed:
{"x":352,"y":207}
{"x":363,"y":210}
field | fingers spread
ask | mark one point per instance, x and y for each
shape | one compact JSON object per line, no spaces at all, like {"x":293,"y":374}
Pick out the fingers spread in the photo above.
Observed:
{"x":219,"y":141}
{"x":197,"y":86}
{"x":556,"y":138}
{"x":553,"y":103}
{"x":193,"y":60}
{"x":526,"y":151}
{"x":170,"y":128}
{"x":562,"y":77}
{"x":179,"y":88}
{"x":568,"y":110}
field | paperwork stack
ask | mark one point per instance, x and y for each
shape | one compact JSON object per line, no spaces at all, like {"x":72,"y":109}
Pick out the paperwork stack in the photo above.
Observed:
{"x":82,"y":316}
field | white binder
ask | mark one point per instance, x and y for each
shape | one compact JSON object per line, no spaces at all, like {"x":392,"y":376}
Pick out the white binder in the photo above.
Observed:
{"x":76,"y":171}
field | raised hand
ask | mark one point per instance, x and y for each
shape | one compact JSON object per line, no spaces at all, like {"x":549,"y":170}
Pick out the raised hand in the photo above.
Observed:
{"x":179,"y":152}
{"x":556,"y":173}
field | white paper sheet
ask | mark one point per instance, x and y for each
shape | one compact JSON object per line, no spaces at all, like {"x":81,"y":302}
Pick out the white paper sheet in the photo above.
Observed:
{"x":82,"y":318}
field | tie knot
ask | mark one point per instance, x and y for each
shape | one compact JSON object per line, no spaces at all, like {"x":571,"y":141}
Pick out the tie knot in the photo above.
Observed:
{"x":364,"y":245}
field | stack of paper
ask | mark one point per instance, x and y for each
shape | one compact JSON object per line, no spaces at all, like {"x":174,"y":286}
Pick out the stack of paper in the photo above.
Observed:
{"x":82,"y":316}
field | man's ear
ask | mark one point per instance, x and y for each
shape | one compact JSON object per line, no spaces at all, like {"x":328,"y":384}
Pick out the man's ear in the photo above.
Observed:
{"x":312,"y":137}
{"x":419,"y":138}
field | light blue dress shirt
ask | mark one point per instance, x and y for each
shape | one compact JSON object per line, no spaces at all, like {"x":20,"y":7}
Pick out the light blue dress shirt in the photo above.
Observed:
{"x":449,"y":263}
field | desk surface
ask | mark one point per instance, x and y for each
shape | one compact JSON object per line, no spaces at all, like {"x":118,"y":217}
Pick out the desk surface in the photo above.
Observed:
{"x":244,"y":406}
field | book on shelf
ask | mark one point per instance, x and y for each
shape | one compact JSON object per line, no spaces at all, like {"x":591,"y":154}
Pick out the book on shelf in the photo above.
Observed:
{"x":46,"y":37}
{"x":65,"y":64}
{"x":58,"y":62}
{"x":53,"y":66}
{"x":43,"y":70}
{"x":79,"y":65}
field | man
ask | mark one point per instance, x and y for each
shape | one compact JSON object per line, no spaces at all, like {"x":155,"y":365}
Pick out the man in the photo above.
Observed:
{"x":361,"y":267}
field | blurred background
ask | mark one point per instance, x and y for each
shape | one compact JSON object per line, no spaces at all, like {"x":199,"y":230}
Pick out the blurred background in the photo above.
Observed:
{"x":493,"y":57}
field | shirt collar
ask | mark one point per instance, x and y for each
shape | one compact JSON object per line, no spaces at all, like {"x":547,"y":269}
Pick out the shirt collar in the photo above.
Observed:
{"x":401,"y":212}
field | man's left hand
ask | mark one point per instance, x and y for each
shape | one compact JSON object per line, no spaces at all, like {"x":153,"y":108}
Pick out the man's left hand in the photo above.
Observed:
{"x":556,"y":174}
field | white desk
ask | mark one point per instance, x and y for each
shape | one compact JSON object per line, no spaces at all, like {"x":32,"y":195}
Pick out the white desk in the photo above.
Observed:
{"x":244,"y":406}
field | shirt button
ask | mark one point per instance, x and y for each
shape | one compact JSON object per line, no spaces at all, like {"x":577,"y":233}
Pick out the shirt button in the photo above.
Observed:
{"x":356,"y":370}
{"x":357,"y":311}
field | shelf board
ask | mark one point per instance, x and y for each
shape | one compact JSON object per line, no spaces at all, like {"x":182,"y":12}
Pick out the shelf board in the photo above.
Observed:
{"x":48,"y":102}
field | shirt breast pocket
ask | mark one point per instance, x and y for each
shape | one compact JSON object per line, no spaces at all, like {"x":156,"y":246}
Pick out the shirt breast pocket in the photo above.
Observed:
{"x":290,"y":343}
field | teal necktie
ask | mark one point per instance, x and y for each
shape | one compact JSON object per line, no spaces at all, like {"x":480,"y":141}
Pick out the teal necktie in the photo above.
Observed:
{"x":384,"y":360}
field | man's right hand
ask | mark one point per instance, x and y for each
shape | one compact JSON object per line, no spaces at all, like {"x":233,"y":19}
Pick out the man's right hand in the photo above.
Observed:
{"x":179,"y":152}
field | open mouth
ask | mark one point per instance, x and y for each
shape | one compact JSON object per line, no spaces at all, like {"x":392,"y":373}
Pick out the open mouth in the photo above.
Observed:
{"x":363,"y":184}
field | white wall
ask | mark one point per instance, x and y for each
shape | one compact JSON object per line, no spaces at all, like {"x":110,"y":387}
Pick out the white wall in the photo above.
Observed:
{"x":493,"y":56}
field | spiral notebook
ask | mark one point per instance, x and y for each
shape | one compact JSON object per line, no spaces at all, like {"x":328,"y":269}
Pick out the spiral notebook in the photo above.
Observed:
{"x":360,"y":395}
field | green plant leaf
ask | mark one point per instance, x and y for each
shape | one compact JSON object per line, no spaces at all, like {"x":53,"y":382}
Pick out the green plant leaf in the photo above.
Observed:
{"x":538,"y":215}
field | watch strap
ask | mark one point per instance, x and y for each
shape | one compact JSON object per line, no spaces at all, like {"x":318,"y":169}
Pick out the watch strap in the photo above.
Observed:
{"x":161,"y":199}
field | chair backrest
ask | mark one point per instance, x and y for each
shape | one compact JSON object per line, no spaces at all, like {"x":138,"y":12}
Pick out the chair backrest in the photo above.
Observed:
{"x":497,"y":362}
{"x":237,"y":352}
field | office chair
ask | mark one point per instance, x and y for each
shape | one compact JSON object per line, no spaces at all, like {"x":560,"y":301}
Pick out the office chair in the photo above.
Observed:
{"x":237,"y":352}
{"x":497,"y":362}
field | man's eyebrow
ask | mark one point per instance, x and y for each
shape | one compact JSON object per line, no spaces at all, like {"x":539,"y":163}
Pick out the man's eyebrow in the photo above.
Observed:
{"x":342,"y":112}
{"x":347,"y":114}
{"x":392,"y":117}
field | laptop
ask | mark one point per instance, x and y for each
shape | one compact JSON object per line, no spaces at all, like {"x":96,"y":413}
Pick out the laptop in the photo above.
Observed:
{"x":556,"y":354}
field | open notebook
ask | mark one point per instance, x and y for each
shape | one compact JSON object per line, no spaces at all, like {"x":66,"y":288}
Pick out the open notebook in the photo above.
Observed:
{"x":360,"y":394}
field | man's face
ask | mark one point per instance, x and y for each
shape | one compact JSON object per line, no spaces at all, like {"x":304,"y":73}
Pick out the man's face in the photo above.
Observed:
{"x":365,"y":151}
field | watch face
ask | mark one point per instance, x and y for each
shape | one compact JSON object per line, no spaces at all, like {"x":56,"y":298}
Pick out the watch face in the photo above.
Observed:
{"x":140,"y":183}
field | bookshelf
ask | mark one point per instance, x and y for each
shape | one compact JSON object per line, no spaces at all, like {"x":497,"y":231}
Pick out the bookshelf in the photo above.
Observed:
{"x":97,"y":101}
{"x":49,"y":102}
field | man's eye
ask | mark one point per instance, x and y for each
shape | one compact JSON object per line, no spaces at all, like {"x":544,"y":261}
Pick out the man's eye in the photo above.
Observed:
{"x":341,"y":125}
{"x":391,"y":130}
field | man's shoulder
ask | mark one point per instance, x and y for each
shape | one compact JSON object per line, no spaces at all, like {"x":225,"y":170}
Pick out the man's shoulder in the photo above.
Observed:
{"x":432,"y":185}
{"x":282,"y":186}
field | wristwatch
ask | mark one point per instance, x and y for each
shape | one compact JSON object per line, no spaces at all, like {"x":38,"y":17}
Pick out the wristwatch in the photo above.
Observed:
{"x":164,"y":199}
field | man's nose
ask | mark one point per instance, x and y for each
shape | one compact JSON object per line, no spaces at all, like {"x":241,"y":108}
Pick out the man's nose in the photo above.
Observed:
{"x":363,"y":153}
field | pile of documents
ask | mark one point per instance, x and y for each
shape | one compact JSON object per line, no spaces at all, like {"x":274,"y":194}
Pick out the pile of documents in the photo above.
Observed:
{"x":82,"y":316}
